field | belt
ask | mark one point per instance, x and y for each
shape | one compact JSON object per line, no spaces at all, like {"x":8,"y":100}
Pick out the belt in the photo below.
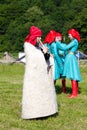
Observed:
{"x":71,"y":52}
{"x":61,"y":55}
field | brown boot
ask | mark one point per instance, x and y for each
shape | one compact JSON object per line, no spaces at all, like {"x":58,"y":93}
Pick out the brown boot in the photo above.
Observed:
{"x":63,"y":85}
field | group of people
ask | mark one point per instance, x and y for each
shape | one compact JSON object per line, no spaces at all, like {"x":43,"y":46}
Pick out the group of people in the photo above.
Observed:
{"x":45,"y":63}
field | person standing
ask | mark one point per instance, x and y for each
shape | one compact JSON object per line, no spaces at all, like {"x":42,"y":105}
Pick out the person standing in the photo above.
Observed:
{"x":71,"y":67}
{"x":51,"y":44}
{"x":49,"y":39}
{"x":39,"y":96}
{"x":62,"y":55}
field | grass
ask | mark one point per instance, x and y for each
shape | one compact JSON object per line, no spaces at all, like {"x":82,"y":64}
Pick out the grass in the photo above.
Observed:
{"x":72,"y":113}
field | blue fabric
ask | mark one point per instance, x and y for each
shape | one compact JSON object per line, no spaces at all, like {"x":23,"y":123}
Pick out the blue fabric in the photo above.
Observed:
{"x":61,"y":53}
{"x":58,"y":65}
{"x":71,"y":67}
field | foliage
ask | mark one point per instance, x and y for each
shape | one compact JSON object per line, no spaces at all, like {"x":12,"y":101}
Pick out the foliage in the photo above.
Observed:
{"x":16,"y":17}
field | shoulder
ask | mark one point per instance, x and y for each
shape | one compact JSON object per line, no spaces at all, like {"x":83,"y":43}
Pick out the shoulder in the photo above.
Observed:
{"x":28,"y":45}
{"x":53,"y":44}
{"x":75,"y":41}
{"x":57,"y":43}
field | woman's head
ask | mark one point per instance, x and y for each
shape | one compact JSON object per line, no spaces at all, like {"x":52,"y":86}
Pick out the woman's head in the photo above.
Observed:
{"x":34,"y":35}
{"x":72,"y":33}
{"x":50,"y":37}
{"x":58,"y":37}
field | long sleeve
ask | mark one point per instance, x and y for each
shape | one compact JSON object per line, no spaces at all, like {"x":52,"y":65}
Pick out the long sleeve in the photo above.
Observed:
{"x":67,"y":47}
{"x":54,"y":52}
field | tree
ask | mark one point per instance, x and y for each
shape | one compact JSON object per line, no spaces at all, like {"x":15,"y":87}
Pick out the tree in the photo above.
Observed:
{"x":16,"y":17}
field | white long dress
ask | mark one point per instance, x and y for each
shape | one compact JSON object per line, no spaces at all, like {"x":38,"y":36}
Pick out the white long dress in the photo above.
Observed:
{"x":39,"y":96}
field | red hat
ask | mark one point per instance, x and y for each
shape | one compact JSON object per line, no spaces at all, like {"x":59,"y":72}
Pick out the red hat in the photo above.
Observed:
{"x":58,"y":34}
{"x":50,"y":37}
{"x":75,"y":34}
{"x":34,"y":33}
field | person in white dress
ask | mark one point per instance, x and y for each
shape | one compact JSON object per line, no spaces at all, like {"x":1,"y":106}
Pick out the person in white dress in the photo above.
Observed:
{"x":39,"y":96}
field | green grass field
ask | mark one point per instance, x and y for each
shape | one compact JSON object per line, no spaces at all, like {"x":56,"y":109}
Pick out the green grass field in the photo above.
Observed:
{"x":72,"y":113}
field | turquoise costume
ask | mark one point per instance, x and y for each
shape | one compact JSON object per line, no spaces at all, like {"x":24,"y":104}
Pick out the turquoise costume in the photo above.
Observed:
{"x":61,"y":53}
{"x":58,"y":64}
{"x":71,"y":68}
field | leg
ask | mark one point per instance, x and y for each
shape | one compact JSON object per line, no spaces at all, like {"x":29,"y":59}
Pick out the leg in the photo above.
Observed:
{"x":74,"y":89}
{"x":64,"y":85}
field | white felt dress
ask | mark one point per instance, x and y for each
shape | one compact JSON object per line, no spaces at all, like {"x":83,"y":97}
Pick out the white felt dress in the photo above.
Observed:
{"x":39,"y":96}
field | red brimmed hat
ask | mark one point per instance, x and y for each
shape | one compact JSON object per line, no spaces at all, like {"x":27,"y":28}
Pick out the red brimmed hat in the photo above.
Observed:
{"x":75,"y":34}
{"x":34,"y":33}
{"x":50,"y":37}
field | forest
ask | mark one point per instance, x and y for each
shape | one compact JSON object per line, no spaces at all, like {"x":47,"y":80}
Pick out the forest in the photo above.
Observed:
{"x":16,"y":17}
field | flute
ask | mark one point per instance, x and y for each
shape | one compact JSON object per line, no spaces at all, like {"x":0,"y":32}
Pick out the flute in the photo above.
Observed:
{"x":44,"y":47}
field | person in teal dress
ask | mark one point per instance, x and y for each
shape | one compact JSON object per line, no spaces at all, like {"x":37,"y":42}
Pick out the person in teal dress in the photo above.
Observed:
{"x":47,"y":43}
{"x":71,"y":68}
{"x":51,"y":44}
{"x":49,"y":39}
{"x":62,"y":55}
{"x":58,"y":64}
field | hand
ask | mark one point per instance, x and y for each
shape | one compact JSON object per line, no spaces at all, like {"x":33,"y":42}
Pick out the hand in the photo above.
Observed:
{"x":45,"y":50}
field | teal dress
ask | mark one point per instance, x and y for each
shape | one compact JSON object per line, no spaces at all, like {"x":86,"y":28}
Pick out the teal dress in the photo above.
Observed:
{"x":71,"y":67}
{"x":58,"y":65}
{"x":62,"y":54}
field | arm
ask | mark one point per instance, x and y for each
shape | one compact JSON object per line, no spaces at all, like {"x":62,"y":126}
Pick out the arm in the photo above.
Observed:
{"x":66,"y":47}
